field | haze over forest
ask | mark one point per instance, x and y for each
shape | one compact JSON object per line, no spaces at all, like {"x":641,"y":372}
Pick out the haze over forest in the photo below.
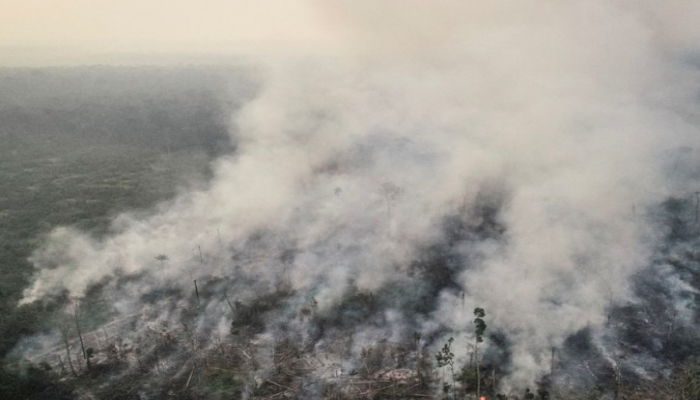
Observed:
{"x":350,"y":200}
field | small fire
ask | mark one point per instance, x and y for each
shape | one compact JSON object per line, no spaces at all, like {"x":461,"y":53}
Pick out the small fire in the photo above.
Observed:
{"x":482,"y":398}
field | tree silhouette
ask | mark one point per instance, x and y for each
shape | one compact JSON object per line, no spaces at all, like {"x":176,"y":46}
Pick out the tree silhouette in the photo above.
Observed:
{"x":390,"y":192}
{"x":480,"y":328}
{"x":445,"y":357}
{"x":162,"y":258}
{"x":64,"y":334}
{"x":86,"y":356}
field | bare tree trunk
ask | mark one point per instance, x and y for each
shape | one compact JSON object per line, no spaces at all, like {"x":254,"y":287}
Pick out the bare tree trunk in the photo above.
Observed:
{"x":478,"y":372}
{"x":233,"y":310}
{"x":60,"y":363}
{"x":551,"y":362}
{"x":697,"y":211}
{"x":190,"y":378}
{"x":493,"y":380}
{"x":65,"y":341}
{"x":157,"y":361}
{"x":80,"y":335}
{"x":196,"y":290}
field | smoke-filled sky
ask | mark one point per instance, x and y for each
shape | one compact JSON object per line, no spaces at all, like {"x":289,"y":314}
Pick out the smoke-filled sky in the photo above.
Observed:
{"x":559,"y":110}
{"x":56,"y":32}
{"x":39,"y":32}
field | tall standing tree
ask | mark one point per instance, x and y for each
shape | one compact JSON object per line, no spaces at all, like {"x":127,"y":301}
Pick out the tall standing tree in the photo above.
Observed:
{"x":86,"y":356}
{"x":162,"y":258}
{"x":444,"y":358}
{"x":479,"y":328}
{"x":64,"y":333}
{"x":391,"y":193}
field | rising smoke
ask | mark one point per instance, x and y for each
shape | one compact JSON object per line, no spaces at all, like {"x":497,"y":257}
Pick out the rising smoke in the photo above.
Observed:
{"x":542,"y":127}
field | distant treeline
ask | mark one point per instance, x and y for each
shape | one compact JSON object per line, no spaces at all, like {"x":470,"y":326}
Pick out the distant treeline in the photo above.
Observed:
{"x":165,"y":108}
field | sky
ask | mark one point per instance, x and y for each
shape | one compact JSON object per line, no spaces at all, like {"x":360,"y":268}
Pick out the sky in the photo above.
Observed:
{"x":66,"y":32}
{"x":48,"y":32}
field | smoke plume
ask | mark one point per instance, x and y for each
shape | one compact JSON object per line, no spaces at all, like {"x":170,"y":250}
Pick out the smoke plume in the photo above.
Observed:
{"x":543,"y":127}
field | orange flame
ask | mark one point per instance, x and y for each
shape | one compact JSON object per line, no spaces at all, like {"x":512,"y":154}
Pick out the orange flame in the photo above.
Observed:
{"x":482,"y":398}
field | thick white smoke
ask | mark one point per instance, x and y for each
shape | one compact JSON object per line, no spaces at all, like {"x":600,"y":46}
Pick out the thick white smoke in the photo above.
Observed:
{"x":352,"y":160}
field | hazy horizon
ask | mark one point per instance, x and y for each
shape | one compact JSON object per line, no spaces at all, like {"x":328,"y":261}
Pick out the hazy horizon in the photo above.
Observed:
{"x":35,"y":33}
{"x":76,"y":32}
